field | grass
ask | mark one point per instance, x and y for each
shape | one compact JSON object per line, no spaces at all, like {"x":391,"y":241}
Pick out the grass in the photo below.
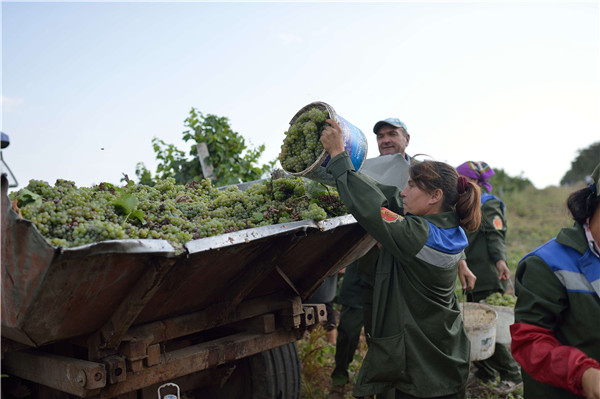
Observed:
{"x":317,"y":360}
{"x":533,"y":217}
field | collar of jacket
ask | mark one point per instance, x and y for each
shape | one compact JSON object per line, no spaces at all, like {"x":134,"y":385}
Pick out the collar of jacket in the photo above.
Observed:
{"x":573,"y":237}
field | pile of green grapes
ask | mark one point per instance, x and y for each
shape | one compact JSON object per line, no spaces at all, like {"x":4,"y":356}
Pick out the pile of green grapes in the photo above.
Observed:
{"x":302,"y":146}
{"x":68,"y":216}
{"x":498,"y":299}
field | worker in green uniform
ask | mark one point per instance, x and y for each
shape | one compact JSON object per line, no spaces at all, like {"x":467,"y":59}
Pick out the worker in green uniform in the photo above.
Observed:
{"x":418,"y":345}
{"x":556,"y":335}
{"x":356,"y":294}
{"x":486,"y":257}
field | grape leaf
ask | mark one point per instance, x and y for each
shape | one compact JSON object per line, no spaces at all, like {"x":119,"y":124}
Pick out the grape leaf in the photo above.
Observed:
{"x":139,"y":215}
{"x":27,"y":197}
{"x":126,"y":203}
{"x":315,"y":189}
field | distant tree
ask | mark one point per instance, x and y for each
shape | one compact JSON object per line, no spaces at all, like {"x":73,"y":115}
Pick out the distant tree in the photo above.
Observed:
{"x":232,"y":160}
{"x":143,"y":174}
{"x":583,"y":165}
{"x":503,"y":183}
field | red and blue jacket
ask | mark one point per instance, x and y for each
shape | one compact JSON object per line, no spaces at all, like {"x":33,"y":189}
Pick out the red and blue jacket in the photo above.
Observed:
{"x":556,"y":335}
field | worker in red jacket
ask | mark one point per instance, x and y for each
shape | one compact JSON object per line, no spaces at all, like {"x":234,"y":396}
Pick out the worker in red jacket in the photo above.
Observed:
{"x":556,"y":335}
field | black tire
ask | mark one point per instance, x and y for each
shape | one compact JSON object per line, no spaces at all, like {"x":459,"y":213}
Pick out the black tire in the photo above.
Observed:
{"x":276,"y":373}
{"x":272,"y":374}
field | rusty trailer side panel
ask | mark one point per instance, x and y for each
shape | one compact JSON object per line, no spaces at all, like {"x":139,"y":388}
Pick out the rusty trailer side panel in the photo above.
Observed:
{"x":137,"y":307}
{"x":71,"y":292}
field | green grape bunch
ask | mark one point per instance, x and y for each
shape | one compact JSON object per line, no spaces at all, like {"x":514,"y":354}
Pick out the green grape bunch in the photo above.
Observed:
{"x":302,"y":146}
{"x":499,"y":299}
{"x":68,"y":216}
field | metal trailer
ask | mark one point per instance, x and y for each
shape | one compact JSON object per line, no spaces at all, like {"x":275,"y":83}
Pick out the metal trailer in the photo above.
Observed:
{"x":118,"y":319}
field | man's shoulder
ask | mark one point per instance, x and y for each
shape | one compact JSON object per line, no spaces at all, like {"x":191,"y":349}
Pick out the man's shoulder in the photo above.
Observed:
{"x":390,"y":169}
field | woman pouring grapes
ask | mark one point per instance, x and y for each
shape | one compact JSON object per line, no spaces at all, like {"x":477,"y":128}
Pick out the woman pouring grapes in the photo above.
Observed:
{"x":418,"y":347}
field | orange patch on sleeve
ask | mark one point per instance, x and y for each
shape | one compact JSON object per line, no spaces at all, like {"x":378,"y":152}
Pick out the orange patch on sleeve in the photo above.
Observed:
{"x":389,"y":216}
{"x":497,"y":223}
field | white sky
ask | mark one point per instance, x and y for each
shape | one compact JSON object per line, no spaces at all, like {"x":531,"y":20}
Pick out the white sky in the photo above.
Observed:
{"x":515,"y":84}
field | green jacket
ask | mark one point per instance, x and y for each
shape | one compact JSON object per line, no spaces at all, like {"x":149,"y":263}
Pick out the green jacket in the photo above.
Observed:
{"x":487,"y":245}
{"x":358,"y":278}
{"x":418,"y":345}
{"x":558,"y":289}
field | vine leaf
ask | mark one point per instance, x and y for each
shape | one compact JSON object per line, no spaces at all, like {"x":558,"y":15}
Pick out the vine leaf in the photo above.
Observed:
{"x":27,"y":197}
{"x":127,"y":204}
{"x":139,"y":215}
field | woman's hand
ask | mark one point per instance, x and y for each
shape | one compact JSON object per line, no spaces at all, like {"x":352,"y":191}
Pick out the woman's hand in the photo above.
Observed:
{"x":466,"y":276}
{"x":590,"y":382}
{"x":332,"y":138}
{"x":503,"y":270}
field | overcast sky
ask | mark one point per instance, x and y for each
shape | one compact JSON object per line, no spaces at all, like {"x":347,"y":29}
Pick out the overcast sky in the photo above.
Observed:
{"x":86,"y":86}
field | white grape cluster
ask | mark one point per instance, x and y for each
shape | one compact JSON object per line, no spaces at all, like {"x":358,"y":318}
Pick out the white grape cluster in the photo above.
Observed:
{"x":499,"y":299}
{"x":302,"y":146}
{"x":68,"y":216}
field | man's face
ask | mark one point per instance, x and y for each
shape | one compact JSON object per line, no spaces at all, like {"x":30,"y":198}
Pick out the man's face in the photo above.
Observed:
{"x":391,"y":140}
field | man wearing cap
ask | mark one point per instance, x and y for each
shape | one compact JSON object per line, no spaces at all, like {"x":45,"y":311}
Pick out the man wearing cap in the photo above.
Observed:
{"x":392,"y":137}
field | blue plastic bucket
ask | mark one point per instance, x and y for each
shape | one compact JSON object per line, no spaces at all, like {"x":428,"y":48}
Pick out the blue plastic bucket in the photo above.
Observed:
{"x":355,"y":143}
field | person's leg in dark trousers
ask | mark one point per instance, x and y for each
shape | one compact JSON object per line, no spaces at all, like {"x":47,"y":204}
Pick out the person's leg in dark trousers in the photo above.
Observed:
{"x":502,"y":363}
{"x":349,"y":329}
{"x":356,"y":292}
{"x":349,"y":324}
{"x":366,"y":272}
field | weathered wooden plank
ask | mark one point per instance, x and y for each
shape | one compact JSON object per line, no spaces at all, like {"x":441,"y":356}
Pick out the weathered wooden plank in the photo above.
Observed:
{"x":70,"y":375}
{"x":206,"y":319}
{"x":134,"y":302}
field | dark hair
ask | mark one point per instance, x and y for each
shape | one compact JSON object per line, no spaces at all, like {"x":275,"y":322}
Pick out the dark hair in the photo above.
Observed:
{"x":582,"y":204}
{"x":432,"y":175}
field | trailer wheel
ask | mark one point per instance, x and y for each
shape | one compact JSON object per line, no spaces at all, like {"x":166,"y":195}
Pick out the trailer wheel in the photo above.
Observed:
{"x":276,"y":373}
{"x":272,"y":374}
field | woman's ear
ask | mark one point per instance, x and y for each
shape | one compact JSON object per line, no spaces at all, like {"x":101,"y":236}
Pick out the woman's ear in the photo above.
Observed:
{"x":437,"y":196}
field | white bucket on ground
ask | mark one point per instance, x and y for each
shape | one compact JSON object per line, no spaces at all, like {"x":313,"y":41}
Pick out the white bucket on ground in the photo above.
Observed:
{"x":480,"y":323}
{"x":506,"y":317}
{"x":355,"y":143}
